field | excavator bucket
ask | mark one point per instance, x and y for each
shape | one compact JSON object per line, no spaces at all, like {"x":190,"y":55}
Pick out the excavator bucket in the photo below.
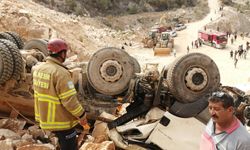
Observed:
{"x":162,"y":51}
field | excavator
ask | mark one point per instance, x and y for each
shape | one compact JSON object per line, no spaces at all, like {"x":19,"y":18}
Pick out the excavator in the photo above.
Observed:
{"x":113,"y":78}
{"x":159,"y":39}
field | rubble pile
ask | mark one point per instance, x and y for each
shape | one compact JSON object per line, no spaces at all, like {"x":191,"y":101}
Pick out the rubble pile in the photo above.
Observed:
{"x":13,"y":135}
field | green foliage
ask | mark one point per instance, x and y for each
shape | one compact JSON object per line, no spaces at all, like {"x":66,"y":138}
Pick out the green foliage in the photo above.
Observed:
{"x":104,"y":4}
{"x":71,"y":4}
{"x":78,"y":10}
{"x":132,"y":9}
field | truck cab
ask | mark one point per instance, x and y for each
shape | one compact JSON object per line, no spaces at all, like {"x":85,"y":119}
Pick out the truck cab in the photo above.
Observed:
{"x":213,"y":38}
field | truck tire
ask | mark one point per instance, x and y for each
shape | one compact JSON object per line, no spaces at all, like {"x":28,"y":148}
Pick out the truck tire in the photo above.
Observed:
{"x":38,"y":44}
{"x":18,"y":64}
{"x":109,"y":71}
{"x":137,"y":67}
{"x":6,"y":36}
{"x":6,"y":64}
{"x":192,"y":76}
{"x":17,"y":38}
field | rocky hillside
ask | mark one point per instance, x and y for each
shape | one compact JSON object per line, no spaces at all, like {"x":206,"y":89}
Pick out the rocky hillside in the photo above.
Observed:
{"x":235,"y":17}
{"x":115,"y":7}
{"x":84,"y":34}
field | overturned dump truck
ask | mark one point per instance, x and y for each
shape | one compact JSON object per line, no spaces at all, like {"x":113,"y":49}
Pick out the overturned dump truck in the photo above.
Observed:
{"x":112,"y":78}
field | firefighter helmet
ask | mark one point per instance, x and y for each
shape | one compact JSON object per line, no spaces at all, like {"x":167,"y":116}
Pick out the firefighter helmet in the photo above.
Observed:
{"x":57,"y":45}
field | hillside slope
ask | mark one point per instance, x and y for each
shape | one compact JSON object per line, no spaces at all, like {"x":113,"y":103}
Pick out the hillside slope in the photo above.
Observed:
{"x":84,"y":34}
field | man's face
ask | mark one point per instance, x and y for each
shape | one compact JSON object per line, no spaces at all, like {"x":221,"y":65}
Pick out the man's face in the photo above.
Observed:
{"x":218,"y":113}
{"x":64,"y":56}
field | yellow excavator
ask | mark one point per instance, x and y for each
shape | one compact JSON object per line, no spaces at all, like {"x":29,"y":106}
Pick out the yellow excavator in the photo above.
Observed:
{"x":164,"y":45}
{"x":159,"y":39}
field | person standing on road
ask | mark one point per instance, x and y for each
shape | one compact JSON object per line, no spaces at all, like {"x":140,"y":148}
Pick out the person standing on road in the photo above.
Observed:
{"x":224,"y":131}
{"x":187,"y":49}
{"x":231,"y":54}
{"x":57,"y":108}
{"x":174,"y":51}
{"x":235,"y":62}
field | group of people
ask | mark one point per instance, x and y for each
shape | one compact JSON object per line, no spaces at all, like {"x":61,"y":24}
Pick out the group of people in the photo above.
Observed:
{"x":196,"y":44}
{"x":240,"y":53}
{"x":57,"y":108}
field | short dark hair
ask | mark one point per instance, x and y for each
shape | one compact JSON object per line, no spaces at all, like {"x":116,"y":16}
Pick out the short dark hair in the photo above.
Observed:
{"x":56,"y":55}
{"x":219,"y":96}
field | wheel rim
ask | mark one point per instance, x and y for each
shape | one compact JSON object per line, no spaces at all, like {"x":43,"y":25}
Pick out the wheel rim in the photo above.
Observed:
{"x":196,"y":79}
{"x":111,"y":70}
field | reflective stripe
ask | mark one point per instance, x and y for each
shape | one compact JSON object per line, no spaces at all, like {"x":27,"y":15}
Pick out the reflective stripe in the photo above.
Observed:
{"x":77,"y":110}
{"x":58,"y":125}
{"x":67,"y":94}
{"x":47,"y":96}
{"x":48,"y":101}
{"x":49,"y":113}
{"x":37,"y":117}
{"x":53,"y":115}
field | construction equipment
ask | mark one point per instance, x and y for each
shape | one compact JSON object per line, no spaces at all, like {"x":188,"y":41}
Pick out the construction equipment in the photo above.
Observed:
{"x":164,"y":45}
{"x":151,"y":39}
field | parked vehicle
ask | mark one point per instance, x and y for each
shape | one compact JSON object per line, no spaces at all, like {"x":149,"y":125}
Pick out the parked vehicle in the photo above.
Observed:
{"x":213,"y":38}
{"x":172,"y":33}
{"x":180,"y":26}
{"x":164,"y":44}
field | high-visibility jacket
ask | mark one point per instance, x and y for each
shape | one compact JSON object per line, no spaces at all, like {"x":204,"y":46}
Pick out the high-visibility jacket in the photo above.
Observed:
{"x":56,"y":104}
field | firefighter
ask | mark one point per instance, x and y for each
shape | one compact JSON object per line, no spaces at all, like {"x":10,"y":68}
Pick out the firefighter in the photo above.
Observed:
{"x":57,"y":108}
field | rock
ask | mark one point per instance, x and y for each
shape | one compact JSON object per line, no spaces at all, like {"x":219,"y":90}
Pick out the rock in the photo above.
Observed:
{"x":54,"y":141}
{"x":6,"y":144}
{"x":101,"y":131}
{"x":12,"y":124}
{"x":9,"y":134}
{"x":20,"y":143}
{"x":37,"y":147}
{"x":35,"y":132}
{"x":27,"y":137}
{"x":101,"y":138}
{"x":106,"y":145}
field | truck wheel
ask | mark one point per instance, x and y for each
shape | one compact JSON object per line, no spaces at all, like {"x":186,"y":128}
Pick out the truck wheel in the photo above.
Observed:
{"x":137,"y":67}
{"x":17,"y":38}
{"x":109,"y":71}
{"x":17,"y":58}
{"x":6,"y":64}
{"x":38,"y":44}
{"x":192,"y":76}
{"x":6,"y":36}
